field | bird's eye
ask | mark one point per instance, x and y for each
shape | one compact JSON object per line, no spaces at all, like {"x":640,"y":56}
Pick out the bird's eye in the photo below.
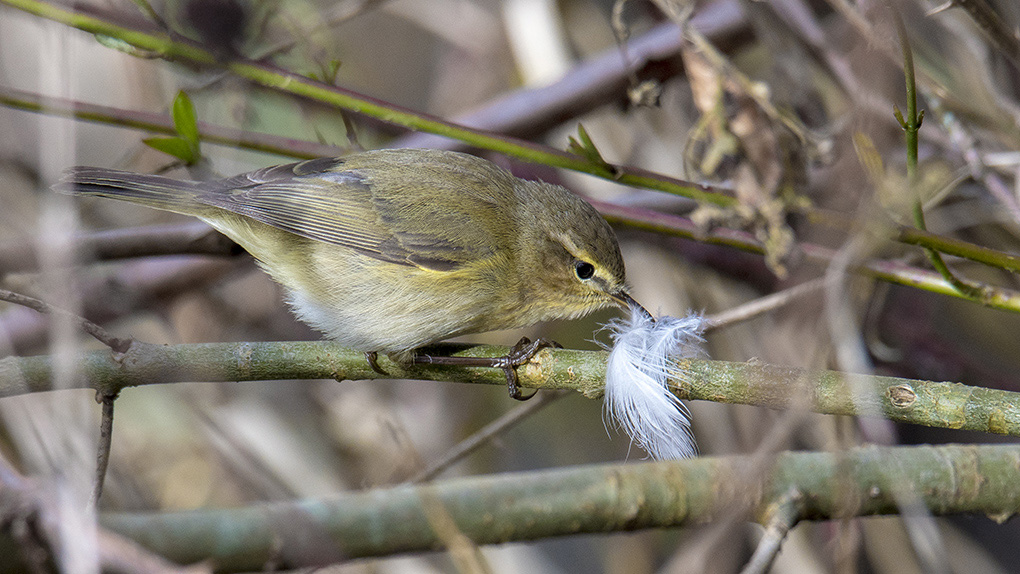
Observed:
{"x":584,"y":270}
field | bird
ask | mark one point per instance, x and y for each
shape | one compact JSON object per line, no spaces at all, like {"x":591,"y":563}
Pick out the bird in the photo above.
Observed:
{"x":387,"y":251}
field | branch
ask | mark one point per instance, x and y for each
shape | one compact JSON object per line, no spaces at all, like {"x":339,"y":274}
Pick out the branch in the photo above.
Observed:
{"x":602,"y":79}
{"x":32,"y":524}
{"x":934,"y":404}
{"x":890,"y":271}
{"x":117,"y":344}
{"x":161,"y":123}
{"x":587,"y":499}
{"x":130,"y":287}
{"x":995,"y":29}
{"x":192,"y":238}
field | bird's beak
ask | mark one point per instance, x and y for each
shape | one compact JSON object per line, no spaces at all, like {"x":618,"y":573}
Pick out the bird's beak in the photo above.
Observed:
{"x":623,"y":299}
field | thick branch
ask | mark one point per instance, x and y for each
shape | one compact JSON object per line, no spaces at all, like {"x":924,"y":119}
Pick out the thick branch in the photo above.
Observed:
{"x":587,"y":499}
{"x":944,"y":405}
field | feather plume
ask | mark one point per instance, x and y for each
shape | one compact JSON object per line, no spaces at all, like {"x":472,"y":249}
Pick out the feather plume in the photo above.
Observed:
{"x":637,"y":397}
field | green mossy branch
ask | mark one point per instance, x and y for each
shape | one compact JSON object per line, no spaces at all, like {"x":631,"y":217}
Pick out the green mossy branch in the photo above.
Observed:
{"x":588,"y":499}
{"x":934,"y":404}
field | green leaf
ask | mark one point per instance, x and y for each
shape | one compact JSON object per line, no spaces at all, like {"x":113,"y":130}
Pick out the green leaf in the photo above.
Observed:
{"x":327,"y":72}
{"x":174,"y":146}
{"x":586,"y":149}
{"x":185,"y":120}
{"x":332,"y":69}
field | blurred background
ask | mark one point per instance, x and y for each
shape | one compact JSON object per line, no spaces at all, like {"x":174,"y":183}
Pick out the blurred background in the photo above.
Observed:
{"x":787,"y":102}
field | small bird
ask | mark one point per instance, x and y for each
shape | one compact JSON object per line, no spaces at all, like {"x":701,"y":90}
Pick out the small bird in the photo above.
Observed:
{"x":386,"y":251}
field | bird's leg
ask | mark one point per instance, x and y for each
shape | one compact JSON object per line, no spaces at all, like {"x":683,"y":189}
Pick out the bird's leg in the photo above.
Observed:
{"x":373,"y":361}
{"x":519,"y":354}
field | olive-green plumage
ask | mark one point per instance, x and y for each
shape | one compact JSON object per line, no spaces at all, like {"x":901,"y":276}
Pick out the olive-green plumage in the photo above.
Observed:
{"x":390,"y":250}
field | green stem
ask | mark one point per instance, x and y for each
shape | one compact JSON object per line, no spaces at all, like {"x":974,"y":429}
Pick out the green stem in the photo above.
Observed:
{"x":161,"y":123}
{"x":911,"y":126}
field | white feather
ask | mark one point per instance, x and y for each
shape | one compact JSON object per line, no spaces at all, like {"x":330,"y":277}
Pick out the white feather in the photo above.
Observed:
{"x":638,"y":398}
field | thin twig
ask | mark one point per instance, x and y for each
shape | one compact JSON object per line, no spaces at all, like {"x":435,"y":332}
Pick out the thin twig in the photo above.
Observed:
{"x":105,"y":441}
{"x":486,"y":434}
{"x":191,"y":238}
{"x":162,"y":123}
{"x":785,"y":514}
{"x":994,"y":28}
{"x":761,"y":305}
{"x":118,"y":345}
{"x":890,"y":271}
{"x":911,"y":126}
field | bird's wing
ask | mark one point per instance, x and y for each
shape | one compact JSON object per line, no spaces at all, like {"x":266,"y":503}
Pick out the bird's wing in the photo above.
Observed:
{"x":344,"y":203}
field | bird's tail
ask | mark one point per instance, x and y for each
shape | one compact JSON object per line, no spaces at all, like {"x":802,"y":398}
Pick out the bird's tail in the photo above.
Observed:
{"x":153,"y":191}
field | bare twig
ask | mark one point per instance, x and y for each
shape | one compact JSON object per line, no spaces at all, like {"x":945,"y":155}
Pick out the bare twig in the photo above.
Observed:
{"x":783,"y":515}
{"x":27,"y":517}
{"x":139,"y":284}
{"x":911,"y":124}
{"x":161,"y":123}
{"x":117,"y":344}
{"x":486,"y":434}
{"x":994,"y":28}
{"x":191,"y":238}
{"x":105,"y":441}
{"x":762,"y":305}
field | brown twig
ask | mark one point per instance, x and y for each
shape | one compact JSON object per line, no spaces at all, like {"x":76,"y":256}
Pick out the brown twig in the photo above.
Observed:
{"x":134,"y":285}
{"x":761,"y":305}
{"x":486,"y":434}
{"x":531,"y":112}
{"x":117,"y":344}
{"x":105,"y":441}
{"x":191,"y":238}
{"x":995,"y":29}
{"x":25,"y":513}
{"x":784,"y":515}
